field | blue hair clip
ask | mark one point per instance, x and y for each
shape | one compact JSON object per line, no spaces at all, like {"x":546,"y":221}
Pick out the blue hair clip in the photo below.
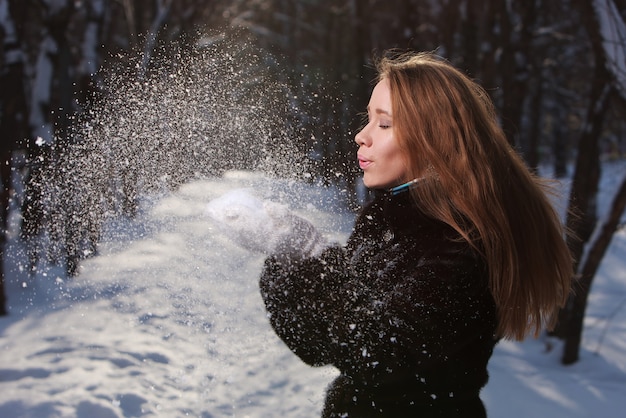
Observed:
{"x":403,"y":187}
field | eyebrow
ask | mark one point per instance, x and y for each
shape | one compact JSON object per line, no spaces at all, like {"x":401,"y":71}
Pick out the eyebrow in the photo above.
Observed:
{"x":379,"y":111}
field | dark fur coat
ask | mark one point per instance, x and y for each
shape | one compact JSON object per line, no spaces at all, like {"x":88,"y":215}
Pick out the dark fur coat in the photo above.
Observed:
{"x":403,"y":311}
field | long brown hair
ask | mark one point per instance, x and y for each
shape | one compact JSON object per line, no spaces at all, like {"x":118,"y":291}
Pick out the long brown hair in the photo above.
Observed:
{"x":480,"y":186}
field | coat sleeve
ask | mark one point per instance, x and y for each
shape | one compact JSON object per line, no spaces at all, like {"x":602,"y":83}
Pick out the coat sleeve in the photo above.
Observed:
{"x":374,"y":323}
{"x":297,"y":295}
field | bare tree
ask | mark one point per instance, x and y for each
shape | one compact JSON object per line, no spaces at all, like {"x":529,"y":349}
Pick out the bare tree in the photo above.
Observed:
{"x":607,"y":32}
{"x":13,"y":117}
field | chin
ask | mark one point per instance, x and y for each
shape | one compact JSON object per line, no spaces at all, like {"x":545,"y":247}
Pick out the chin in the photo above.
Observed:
{"x":374,"y":185}
{"x":370,"y":184}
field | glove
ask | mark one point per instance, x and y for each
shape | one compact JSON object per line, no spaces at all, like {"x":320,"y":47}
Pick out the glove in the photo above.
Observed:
{"x":264,"y":227}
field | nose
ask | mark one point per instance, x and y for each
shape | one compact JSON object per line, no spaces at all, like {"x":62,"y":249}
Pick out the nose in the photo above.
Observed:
{"x":361,"y":137}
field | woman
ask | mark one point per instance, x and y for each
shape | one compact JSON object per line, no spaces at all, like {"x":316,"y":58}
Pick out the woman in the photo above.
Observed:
{"x":460,"y":247}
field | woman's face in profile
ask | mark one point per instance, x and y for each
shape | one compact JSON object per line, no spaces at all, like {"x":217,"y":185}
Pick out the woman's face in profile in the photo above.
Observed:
{"x":379,"y":155}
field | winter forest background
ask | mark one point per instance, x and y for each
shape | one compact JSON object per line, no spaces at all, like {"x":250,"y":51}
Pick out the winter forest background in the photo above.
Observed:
{"x":104,"y":103}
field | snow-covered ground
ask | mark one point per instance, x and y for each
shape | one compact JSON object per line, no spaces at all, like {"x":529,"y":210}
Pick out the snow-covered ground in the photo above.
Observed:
{"x":167,"y":321}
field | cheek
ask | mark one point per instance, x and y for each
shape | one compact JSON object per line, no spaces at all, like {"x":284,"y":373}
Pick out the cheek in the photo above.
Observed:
{"x":398,"y":156}
{"x":403,"y":168}
{"x":402,"y":155}
{"x":403,"y":163}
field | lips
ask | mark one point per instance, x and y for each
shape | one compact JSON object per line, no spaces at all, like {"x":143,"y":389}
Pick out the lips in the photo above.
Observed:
{"x":364,"y":162}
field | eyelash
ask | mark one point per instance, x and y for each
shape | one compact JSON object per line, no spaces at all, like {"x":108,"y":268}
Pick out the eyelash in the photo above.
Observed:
{"x":365,"y":121}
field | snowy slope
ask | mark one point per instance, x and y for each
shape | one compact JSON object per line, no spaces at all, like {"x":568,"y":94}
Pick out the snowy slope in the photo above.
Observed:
{"x":167,"y":321}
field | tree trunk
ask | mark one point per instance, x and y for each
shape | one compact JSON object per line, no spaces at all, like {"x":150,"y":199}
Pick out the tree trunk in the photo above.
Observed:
{"x":582,"y":216}
{"x":13,"y":114}
{"x":582,"y":213}
{"x":588,"y":268}
{"x":160,"y":18}
{"x":560,"y":134}
{"x":531,"y":146}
